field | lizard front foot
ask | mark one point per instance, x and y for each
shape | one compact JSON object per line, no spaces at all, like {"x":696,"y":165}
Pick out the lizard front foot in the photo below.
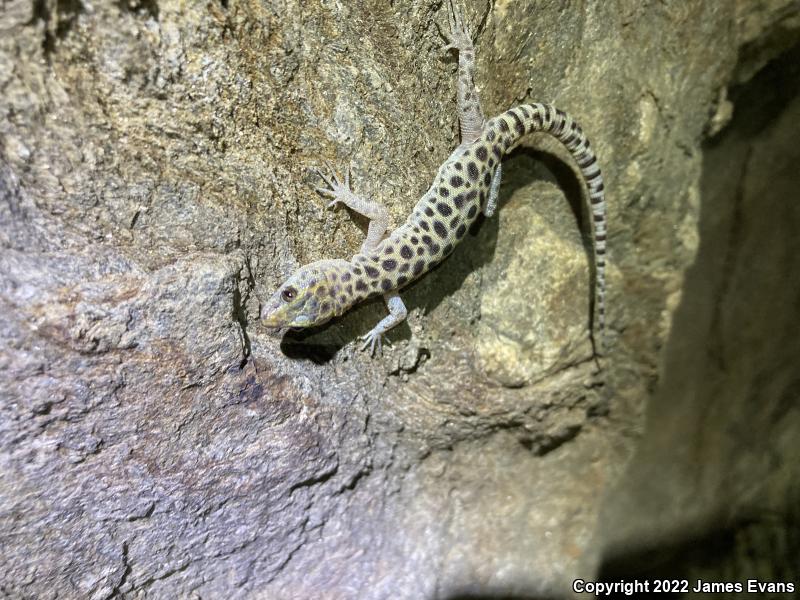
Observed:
{"x":339,"y":191}
{"x":374,"y":341}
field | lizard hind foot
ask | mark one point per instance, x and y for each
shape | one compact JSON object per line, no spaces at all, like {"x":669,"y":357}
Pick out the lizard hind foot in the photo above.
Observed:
{"x":458,"y":38}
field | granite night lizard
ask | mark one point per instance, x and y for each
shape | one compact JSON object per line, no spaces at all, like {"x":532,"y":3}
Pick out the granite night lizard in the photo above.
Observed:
{"x":466,"y":184}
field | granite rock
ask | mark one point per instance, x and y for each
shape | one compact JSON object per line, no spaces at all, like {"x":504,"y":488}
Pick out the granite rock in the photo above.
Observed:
{"x":156,"y":182}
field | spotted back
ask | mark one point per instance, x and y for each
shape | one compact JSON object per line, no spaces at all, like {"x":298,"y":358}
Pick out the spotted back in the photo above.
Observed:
{"x":460,"y":190}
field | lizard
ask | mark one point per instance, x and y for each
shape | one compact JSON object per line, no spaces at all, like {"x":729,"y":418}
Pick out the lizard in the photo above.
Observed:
{"x":466,"y":184}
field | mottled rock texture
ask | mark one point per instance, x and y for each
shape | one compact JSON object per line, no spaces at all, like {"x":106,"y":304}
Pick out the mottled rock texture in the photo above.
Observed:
{"x":156,"y":181}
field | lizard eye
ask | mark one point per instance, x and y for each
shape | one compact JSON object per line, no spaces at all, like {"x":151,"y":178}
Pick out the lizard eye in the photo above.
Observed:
{"x":288,"y":294}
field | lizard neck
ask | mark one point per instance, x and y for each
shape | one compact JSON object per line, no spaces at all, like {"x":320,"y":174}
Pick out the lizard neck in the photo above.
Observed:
{"x":353,"y":284}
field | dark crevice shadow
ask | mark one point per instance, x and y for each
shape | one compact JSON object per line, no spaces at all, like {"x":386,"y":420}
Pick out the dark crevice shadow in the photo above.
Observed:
{"x":240,"y":314}
{"x":321,"y":344}
{"x":58,"y":21}
{"x":700,"y":553}
{"x":760,"y":101}
{"x":301,"y":345}
{"x":571,"y":183}
{"x":148,"y":7}
{"x":730,"y":277}
{"x":670,"y":561}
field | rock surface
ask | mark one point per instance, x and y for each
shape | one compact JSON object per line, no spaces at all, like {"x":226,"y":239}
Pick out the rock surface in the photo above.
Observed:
{"x":156,"y":181}
{"x":719,"y":463}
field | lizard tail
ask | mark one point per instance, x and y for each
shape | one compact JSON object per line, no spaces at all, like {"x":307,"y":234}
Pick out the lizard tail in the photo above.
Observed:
{"x":528,"y":118}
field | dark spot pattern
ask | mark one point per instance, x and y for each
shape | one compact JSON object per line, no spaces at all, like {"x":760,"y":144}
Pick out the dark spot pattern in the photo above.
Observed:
{"x":518,"y":126}
{"x":448,"y":213}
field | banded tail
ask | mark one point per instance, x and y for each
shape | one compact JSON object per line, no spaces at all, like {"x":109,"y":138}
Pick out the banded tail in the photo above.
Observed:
{"x":528,"y":118}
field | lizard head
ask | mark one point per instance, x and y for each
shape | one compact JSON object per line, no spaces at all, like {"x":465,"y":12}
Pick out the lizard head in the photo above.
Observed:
{"x":306,"y":299}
